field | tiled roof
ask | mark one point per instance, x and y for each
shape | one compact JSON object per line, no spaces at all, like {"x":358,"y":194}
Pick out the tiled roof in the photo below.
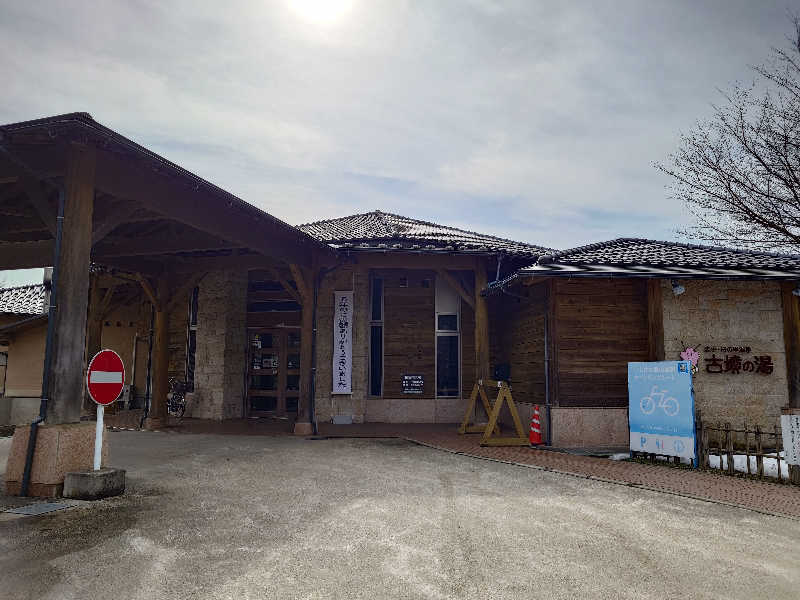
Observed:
{"x":23,"y":300}
{"x":634,"y":251}
{"x":385,"y":231}
{"x":633,"y":257}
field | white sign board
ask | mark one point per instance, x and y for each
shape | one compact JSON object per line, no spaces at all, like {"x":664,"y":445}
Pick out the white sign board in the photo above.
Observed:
{"x":790,"y":427}
{"x":343,"y":343}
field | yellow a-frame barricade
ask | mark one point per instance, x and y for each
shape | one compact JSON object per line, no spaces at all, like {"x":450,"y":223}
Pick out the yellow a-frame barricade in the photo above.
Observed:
{"x":493,"y":412}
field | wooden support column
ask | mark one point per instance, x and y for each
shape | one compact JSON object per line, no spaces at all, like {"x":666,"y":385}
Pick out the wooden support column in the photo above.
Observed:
{"x":304,"y":279}
{"x":158,"y":405}
{"x":94,"y":332}
{"x":791,"y":337}
{"x":481,"y":323}
{"x":655,"y":320}
{"x":66,"y":392}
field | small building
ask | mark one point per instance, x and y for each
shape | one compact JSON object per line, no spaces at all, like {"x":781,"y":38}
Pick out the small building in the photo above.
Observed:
{"x":22,"y":336}
{"x":569,"y":323}
{"x":374,"y":317}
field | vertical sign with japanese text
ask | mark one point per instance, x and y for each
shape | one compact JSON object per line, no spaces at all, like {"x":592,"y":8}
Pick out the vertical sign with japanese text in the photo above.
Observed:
{"x":343,"y":343}
{"x":661,"y":408}
{"x":790,"y":430}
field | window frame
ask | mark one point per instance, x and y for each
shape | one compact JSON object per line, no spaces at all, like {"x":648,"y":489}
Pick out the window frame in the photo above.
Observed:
{"x":456,"y":333}
{"x":376,"y":323}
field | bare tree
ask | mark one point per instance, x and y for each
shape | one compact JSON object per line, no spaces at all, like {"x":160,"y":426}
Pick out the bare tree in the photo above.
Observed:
{"x":739,"y":172}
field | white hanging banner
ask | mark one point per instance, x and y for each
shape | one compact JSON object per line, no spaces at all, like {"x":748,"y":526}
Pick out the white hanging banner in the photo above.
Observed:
{"x":343,"y":343}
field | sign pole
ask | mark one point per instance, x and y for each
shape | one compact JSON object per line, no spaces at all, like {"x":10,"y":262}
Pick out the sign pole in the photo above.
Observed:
{"x":98,"y":437}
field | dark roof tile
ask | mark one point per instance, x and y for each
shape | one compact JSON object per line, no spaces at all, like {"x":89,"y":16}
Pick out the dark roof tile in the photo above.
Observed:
{"x":376,"y":230}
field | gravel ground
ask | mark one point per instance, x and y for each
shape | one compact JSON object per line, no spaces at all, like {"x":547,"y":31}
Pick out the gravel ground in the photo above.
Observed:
{"x":212,"y":516}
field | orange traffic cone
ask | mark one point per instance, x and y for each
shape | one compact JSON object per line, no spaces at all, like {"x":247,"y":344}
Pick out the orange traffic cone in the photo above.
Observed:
{"x":535,"y":436}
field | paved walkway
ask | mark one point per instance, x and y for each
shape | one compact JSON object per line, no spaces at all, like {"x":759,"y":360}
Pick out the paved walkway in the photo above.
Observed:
{"x":761,"y":496}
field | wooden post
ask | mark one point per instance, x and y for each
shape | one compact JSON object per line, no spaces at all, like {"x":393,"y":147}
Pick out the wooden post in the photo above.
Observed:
{"x":759,"y":453}
{"x":791,"y":336}
{"x":655,"y":320}
{"x":746,"y":447}
{"x":158,"y":405}
{"x":304,"y":279}
{"x":66,"y":395}
{"x":778,"y":444}
{"x":94,"y":332}
{"x":729,"y":448}
{"x":481,"y":323}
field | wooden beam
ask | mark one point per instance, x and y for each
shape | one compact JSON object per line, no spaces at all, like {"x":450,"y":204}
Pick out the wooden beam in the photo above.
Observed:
{"x":203,"y":209}
{"x":481,"y":322}
{"x":72,"y":295}
{"x":287,"y":286}
{"x":655,"y":320}
{"x":458,"y":287}
{"x":148,"y":289}
{"x":791,"y":337}
{"x":158,"y":407}
{"x":182,"y":293}
{"x":27,"y":255}
{"x":38,"y":199}
{"x":300,"y":281}
{"x":161,"y":243}
{"x":407,"y":260}
{"x":113,"y":221}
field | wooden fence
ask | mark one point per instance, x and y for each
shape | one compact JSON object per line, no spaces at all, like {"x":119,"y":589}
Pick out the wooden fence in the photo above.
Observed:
{"x":746,"y":445}
{"x":722,"y":447}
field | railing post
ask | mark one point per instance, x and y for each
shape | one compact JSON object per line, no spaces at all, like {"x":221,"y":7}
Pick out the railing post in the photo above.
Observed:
{"x":759,"y":453}
{"x":729,"y":448}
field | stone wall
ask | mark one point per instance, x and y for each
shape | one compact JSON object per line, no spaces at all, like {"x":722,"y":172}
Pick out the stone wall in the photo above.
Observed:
{"x":221,"y":346}
{"x":724,"y":314}
{"x":326,"y":404}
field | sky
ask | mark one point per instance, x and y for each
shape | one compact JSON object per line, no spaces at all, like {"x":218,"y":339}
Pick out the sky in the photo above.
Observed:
{"x":536,"y":121}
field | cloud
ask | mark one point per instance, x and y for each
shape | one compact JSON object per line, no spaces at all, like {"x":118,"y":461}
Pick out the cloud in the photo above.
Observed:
{"x":538,"y":121}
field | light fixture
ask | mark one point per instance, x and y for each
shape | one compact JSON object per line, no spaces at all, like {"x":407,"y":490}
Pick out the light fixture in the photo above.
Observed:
{"x":677,"y":288}
{"x":796,"y":290}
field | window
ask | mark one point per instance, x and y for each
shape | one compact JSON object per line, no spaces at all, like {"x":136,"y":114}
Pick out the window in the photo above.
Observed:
{"x":376,"y":338}
{"x":448,"y":340}
{"x":191,"y":339}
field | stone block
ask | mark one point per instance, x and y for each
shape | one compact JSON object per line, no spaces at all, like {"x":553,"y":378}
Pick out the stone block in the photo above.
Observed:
{"x":60,"y":449}
{"x":93,"y":485}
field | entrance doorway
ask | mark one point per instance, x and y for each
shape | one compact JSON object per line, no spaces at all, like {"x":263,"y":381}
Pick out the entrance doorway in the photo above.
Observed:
{"x":273,"y":372}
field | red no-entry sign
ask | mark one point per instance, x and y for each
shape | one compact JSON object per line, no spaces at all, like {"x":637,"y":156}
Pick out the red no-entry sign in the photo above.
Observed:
{"x":105,"y":377}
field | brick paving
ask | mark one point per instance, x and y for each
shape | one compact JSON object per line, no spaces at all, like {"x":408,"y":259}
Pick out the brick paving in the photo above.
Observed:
{"x":761,"y":496}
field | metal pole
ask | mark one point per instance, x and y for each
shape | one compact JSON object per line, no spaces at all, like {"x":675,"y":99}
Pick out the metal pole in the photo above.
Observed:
{"x":98,"y":437}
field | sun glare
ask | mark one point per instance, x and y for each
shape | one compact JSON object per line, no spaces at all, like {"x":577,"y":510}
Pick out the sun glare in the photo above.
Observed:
{"x":321,"y":12}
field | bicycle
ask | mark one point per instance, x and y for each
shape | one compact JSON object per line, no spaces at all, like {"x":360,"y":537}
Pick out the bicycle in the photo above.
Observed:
{"x":176,"y":397}
{"x":669,"y":405}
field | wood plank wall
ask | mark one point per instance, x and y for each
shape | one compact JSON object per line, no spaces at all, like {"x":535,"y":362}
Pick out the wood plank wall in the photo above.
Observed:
{"x":408,"y":330}
{"x":517,"y":338}
{"x":600,"y":325}
{"x":269,"y":319}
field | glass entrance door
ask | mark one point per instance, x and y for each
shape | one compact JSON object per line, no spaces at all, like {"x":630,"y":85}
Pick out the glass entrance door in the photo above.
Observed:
{"x":273,"y":372}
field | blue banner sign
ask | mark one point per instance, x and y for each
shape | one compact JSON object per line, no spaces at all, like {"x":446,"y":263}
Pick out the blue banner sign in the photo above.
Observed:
{"x":661,"y":408}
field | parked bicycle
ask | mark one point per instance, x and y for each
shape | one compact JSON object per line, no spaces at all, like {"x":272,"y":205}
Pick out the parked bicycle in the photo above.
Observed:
{"x":176,"y":397}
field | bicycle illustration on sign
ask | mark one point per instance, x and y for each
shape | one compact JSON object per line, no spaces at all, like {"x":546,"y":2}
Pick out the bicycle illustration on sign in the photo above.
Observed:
{"x":655,"y":398}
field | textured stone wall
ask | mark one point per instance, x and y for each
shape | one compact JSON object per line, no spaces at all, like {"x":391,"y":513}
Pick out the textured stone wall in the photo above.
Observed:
{"x":327,"y":405}
{"x":221,"y":346}
{"x":730,"y":313}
